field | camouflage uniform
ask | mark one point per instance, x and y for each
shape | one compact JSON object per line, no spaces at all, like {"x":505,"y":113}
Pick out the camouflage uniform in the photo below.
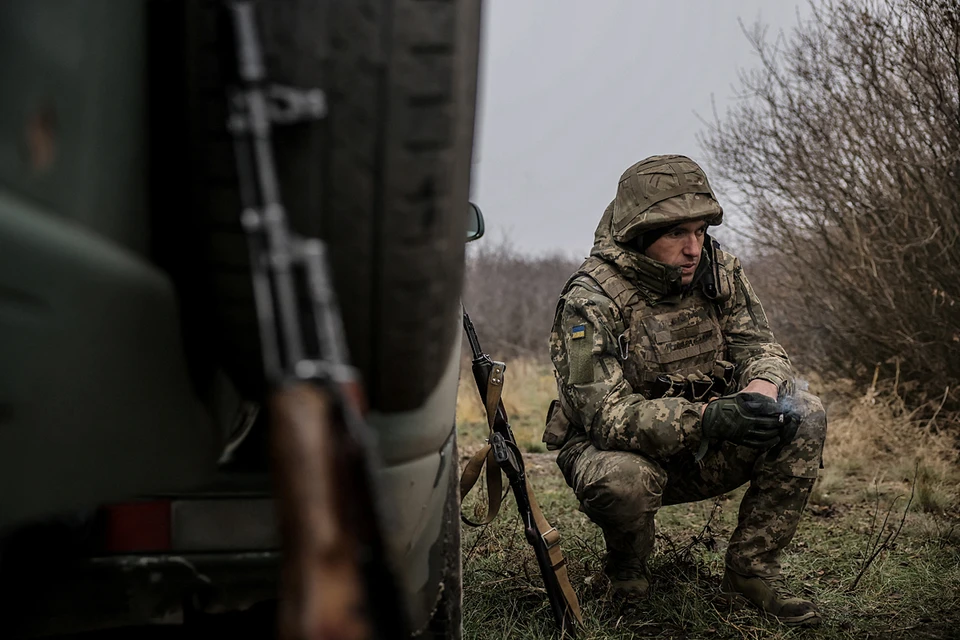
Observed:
{"x":622,"y":320}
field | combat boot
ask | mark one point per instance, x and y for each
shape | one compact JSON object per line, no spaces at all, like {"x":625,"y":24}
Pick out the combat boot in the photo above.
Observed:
{"x":629,"y":576}
{"x":771,"y":596}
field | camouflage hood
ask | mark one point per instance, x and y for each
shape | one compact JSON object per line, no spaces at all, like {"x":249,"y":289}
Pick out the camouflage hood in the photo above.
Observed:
{"x":657,"y":192}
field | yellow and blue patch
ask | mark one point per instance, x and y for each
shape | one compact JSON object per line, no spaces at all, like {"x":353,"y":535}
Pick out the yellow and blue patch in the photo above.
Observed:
{"x":578,"y":331}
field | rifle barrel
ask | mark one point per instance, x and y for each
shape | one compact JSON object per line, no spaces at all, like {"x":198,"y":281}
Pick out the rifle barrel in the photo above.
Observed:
{"x":472,"y":337}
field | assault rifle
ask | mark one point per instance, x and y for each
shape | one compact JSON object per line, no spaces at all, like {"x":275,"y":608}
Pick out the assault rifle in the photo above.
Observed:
{"x":502,"y":453}
{"x":336,"y":579}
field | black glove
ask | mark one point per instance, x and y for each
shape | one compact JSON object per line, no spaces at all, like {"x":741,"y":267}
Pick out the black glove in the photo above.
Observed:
{"x":750,"y":419}
{"x":791,"y":423}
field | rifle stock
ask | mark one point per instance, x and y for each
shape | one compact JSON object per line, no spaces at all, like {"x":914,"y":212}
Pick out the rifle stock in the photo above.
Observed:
{"x":324,"y":592}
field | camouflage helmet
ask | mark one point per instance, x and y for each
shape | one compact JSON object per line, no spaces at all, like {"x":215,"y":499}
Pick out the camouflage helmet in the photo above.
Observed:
{"x":661,"y":191}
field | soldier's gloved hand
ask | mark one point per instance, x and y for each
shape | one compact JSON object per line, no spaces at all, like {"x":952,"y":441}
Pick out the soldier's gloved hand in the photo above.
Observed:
{"x":749,"y":419}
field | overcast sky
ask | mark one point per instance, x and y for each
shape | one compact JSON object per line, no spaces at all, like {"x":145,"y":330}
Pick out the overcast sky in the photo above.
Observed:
{"x":572,"y":92}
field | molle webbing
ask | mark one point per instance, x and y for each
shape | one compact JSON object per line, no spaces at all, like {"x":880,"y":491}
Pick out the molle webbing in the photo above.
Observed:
{"x":610,"y":282}
{"x":660,"y":337}
{"x":700,"y":345}
{"x":659,"y":345}
{"x":684,"y":340}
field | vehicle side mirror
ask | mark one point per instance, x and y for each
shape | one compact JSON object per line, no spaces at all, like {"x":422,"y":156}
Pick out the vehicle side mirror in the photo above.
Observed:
{"x":475,"y":226}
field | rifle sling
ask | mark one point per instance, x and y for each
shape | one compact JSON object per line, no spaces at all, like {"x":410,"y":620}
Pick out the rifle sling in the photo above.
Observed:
{"x":471,"y":473}
{"x":494,"y":393}
{"x":469,"y":477}
{"x":551,"y":539}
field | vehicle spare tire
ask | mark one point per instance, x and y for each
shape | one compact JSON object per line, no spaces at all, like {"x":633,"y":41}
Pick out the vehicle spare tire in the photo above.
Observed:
{"x":383,"y":178}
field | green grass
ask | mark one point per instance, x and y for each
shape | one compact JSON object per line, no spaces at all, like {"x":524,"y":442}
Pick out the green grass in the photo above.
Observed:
{"x":910,"y":590}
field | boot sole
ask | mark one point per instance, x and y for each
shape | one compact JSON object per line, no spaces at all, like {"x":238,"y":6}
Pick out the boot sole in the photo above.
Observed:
{"x":738,"y":601}
{"x":811,"y":619}
{"x":630,"y":593}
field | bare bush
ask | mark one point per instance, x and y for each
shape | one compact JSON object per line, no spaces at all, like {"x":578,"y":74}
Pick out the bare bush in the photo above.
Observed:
{"x":512,"y":297}
{"x":845,"y":150}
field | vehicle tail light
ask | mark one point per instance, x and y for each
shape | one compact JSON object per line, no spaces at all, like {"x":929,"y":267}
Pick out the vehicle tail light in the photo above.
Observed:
{"x":136,"y":526}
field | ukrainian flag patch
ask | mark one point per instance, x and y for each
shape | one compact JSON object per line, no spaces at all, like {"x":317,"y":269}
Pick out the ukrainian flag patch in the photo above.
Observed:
{"x":578,"y":331}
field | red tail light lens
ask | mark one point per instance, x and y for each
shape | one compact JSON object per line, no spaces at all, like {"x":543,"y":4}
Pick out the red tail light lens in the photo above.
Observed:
{"x":136,"y":526}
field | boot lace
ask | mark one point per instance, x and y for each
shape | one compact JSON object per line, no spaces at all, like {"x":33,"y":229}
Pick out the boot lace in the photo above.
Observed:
{"x":778,"y":584}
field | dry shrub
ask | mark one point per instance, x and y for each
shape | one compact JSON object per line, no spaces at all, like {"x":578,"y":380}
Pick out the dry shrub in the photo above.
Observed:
{"x":511,"y":297}
{"x":844,"y":154}
{"x":875,"y":442}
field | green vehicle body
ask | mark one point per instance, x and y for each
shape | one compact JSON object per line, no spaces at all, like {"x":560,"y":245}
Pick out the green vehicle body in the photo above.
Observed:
{"x":97,"y":405}
{"x":97,"y":394}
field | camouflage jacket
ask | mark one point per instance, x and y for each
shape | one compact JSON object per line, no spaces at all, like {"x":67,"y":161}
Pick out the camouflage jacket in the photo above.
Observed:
{"x":622,"y":320}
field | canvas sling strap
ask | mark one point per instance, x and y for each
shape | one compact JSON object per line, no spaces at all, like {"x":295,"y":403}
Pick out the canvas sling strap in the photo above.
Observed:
{"x":495,"y":494}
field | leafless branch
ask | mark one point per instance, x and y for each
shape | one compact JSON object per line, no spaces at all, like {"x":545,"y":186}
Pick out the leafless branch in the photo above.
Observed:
{"x":892,"y":535}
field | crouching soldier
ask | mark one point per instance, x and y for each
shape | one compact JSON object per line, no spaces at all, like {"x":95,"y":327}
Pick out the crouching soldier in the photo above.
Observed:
{"x":673,"y":389}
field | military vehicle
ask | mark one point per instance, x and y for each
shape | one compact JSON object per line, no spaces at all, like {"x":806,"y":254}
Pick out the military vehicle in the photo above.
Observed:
{"x":133,"y":456}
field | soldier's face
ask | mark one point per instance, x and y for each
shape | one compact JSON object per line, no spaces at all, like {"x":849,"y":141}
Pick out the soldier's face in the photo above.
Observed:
{"x":680,"y":247}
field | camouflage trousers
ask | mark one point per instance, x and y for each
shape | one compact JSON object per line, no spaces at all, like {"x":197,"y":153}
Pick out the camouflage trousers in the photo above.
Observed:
{"x":621,"y":491}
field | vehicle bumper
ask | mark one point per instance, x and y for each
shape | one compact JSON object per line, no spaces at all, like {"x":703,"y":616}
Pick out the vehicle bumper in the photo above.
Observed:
{"x":120,"y":591}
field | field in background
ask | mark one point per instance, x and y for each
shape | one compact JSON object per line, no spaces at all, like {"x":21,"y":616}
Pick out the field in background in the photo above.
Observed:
{"x":884,"y":516}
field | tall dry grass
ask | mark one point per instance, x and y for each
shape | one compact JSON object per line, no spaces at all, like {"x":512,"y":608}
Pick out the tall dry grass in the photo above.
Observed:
{"x":877,"y":446}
